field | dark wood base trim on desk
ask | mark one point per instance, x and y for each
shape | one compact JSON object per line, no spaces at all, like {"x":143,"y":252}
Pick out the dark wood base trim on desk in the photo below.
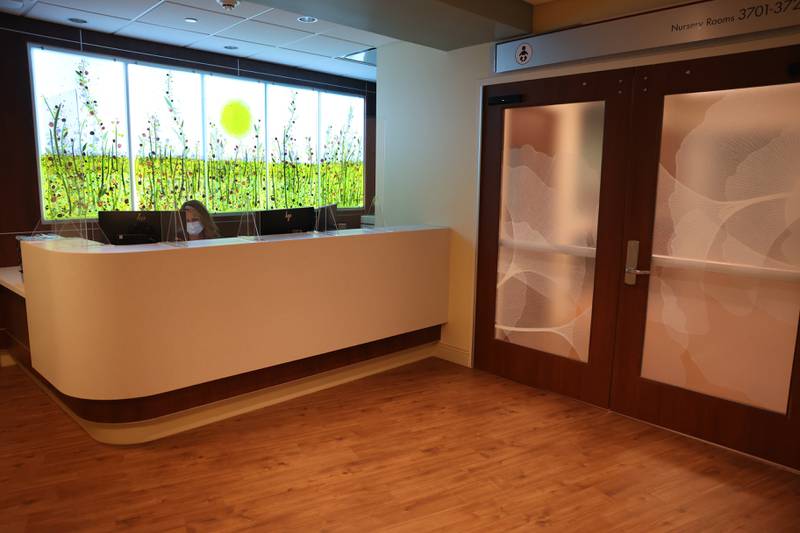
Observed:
{"x":14,"y":326}
{"x":148,"y":407}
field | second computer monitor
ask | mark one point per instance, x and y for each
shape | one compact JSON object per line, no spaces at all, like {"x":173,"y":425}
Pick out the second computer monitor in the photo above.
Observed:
{"x":131,"y":227}
{"x":295,"y":220}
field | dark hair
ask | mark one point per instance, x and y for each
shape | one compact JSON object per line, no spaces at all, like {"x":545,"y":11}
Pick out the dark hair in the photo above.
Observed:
{"x":210,"y":229}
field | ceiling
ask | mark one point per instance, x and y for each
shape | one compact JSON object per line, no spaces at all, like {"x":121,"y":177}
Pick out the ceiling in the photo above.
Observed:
{"x":442,"y":24}
{"x":252,"y":30}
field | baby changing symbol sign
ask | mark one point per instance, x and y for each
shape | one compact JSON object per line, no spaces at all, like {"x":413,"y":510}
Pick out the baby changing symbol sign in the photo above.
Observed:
{"x":524,"y":53}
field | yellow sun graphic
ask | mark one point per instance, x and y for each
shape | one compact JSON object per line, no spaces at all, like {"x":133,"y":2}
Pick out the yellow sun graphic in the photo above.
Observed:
{"x":236,"y":119}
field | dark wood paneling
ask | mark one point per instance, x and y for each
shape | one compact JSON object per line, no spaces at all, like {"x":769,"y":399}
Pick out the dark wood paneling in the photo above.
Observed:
{"x":144,"y":408}
{"x":14,"y":325}
{"x":20,"y":209}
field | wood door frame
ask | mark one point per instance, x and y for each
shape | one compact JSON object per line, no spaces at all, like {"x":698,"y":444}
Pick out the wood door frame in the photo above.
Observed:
{"x":766,"y":434}
{"x":587,"y":381}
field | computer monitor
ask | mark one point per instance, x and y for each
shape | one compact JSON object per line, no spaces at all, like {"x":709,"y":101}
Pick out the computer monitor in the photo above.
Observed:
{"x":131,"y":227}
{"x":295,"y":220}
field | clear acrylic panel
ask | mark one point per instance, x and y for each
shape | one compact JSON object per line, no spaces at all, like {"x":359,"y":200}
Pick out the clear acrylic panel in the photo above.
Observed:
{"x":724,"y":294}
{"x":552,"y":158}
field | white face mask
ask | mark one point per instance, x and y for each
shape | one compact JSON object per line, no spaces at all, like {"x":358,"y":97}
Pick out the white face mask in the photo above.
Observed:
{"x":194,"y":227}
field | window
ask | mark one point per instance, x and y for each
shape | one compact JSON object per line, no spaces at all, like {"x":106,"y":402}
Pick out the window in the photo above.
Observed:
{"x":294,"y":170}
{"x":166,"y":130}
{"x":117,"y":135}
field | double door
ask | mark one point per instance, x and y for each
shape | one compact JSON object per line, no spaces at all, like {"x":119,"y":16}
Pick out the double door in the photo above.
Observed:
{"x":639,"y":244}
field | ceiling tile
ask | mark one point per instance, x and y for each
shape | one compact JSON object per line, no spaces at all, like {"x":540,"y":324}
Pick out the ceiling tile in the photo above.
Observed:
{"x":129,"y":9}
{"x":285,"y":57}
{"x":289,"y":19}
{"x":343,"y":68}
{"x":260,"y":33}
{"x":359,"y":36}
{"x":327,"y":46}
{"x":61,"y":15}
{"x":172,"y":16}
{"x":151,"y":32}
{"x":243,"y":48}
{"x":244,"y":9}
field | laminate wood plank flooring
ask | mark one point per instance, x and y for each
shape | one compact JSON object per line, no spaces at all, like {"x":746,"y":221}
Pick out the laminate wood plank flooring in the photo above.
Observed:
{"x":426,"y":447}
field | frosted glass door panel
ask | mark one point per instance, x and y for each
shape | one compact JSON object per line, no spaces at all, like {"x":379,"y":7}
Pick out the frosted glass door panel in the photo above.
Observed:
{"x":724,"y":296}
{"x":552,"y":157}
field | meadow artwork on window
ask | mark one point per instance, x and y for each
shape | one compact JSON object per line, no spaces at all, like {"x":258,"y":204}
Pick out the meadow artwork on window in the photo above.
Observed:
{"x":237,"y":168}
{"x":82,"y":134}
{"x":118,"y":135}
{"x":167,"y":134}
{"x":293,"y":129}
{"x":342,"y":151}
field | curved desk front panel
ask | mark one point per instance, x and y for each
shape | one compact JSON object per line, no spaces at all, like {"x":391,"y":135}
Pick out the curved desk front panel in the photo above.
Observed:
{"x":112,"y":323}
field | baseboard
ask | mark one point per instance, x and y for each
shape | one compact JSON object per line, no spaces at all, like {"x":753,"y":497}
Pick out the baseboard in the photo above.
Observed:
{"x":157,"y":428}
{"x":454,"y":355}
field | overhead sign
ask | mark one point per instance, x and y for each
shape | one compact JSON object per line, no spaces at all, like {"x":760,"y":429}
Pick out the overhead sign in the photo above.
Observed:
{"x":668,"y":27}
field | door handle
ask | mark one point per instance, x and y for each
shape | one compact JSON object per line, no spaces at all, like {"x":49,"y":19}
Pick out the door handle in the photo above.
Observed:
{"x":632,"y":271}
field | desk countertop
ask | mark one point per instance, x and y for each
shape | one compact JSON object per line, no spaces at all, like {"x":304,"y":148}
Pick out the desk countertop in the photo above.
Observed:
{"x":11,"y":278}
{"x":80,"y":246}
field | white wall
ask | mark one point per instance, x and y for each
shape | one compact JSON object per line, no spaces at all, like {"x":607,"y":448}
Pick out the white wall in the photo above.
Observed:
{"x":427,"y":154}
{"x":428,"y":105}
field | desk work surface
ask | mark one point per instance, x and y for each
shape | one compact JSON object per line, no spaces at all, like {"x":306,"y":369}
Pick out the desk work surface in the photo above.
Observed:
{"x":116,"y":322}
{"x":11,"y":279}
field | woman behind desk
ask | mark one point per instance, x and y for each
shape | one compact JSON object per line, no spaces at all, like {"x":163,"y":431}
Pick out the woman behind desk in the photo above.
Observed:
{"x":199,"y":224}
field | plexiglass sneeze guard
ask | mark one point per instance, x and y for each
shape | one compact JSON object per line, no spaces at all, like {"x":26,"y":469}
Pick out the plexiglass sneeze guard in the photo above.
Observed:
{"x":552,"y":158}
{"x":724,"y":295}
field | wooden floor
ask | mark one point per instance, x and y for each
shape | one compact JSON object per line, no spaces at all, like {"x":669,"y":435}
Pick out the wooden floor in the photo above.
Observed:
{"x":424,"y":447}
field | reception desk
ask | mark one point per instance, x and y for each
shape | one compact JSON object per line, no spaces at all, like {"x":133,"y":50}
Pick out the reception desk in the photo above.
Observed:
{"x":112,"y":327}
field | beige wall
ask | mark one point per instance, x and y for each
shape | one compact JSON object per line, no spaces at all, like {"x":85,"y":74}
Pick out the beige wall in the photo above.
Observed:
{"x":427,"y":155}
{"x":558,"y":14}
{"x":428,"y":113}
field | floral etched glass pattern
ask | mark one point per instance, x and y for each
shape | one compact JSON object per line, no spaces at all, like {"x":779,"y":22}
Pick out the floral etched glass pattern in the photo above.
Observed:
{"x":293,"y":126}
{"x":342,"y":150}
{"x":235,"y":141}
{"x":166,"y":125}
{"x":724,"y":294}
{"x":552,"y":157}
{"x":82,"y":130}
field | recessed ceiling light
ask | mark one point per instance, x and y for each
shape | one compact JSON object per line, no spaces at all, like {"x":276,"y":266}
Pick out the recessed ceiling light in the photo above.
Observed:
{"x":76,"y":20}
{"x":230,"y":47}
{"x":190,"y":20}
{"x":305,"y":19}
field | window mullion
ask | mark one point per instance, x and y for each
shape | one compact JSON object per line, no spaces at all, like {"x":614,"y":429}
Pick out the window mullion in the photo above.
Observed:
{"x":131,"y":155}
